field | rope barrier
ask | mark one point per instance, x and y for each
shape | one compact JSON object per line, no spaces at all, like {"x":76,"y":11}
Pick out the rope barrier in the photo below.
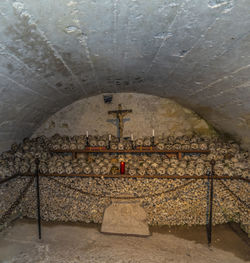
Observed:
{"x":235,"y":195}
{"x":17,"y":201}
{"x":22,"y":194}
{"x":8,"y":178}
{"x":119,"y":197}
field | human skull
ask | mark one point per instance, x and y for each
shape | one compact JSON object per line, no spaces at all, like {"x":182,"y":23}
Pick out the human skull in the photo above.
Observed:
{"x":141,"y":171}
{"x":171,"y":170}
{"x":180,"y":171}
{"x":104,"y":170}
{"x":120,"y":146}
{"x":87,"y":169}
{"x":132,"y":171}
{"x":60,"y":169}
{"x":69,"y":170}
{"x":151,"y":171}
{"x":190,"y":171}
{"x":161,"y":170}
{"x":96,"y":170}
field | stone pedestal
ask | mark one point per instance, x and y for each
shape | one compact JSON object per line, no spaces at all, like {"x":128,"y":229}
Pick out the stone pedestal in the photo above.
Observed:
{"x":126,"y":217}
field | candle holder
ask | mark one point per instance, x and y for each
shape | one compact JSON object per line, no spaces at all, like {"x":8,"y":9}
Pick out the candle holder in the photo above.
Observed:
{"x":108,"y":147}
{"x":87,"y":141}
{"x":153,"y":141}
{"x":132,"y":144}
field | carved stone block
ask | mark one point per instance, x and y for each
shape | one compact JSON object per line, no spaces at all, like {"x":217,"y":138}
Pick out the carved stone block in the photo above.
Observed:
{"x":125,"y":216}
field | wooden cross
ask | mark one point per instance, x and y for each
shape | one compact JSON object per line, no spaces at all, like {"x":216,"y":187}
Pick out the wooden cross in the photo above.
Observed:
{"x":120,"y":113}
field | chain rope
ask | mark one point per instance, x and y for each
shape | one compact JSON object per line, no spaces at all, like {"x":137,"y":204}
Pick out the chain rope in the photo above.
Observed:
{"x":120,"y":197}
{"x":8,"y":178}
{"x":235,"y":195}
{"x":8,"y":213}
{"x":23,"y":193}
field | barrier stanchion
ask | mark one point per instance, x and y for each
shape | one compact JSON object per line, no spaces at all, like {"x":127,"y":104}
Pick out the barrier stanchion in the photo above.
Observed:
{"x":209,"y":228}
{"x":38,"y":199}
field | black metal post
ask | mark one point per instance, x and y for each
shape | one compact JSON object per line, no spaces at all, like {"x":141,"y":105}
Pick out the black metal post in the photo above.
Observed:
{"x":38,"y":199}
{"x":211,"y":203}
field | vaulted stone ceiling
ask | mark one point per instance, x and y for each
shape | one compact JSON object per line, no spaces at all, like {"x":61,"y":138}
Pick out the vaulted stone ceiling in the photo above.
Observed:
{"x":55,"y":52}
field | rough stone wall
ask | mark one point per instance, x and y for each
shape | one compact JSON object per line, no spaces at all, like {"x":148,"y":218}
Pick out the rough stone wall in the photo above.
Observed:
{"x":149,"y":112}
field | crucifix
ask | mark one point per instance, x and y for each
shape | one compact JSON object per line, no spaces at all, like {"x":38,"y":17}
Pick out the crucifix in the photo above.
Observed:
{"x":120,"y":113}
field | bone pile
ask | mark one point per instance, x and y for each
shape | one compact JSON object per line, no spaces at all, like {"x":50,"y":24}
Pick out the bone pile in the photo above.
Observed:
{"x":230,"y":159}
{"x":166,"y":201}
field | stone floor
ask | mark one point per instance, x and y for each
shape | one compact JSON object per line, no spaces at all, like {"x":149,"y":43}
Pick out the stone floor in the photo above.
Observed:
{"x":75,"y":243}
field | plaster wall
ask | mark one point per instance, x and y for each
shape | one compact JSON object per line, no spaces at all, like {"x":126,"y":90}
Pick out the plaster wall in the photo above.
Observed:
{"x":163,"y":115}
{"x":53,"y":53}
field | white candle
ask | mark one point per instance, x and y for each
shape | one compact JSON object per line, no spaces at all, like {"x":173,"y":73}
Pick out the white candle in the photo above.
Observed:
{"x":132,"y":137}
{"x":109,"y":137}
{"x":87,"y":134}
{"x":153,"y":133}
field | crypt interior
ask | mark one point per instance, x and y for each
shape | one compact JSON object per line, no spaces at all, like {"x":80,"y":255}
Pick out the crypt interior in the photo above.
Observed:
{"x":124,"y":131}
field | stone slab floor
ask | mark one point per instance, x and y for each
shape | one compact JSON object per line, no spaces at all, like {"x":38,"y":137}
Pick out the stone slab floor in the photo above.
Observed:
{"x":75,"y":243}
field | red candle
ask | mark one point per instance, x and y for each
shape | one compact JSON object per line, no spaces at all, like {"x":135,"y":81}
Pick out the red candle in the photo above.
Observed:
{"x":122,"y":167}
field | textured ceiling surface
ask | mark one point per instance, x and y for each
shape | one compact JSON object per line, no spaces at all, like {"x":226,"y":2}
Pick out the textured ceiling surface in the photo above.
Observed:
{"x":55,"y":52}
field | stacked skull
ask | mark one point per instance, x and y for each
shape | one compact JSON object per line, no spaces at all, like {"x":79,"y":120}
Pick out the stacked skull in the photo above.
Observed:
{"x":166,"y":201}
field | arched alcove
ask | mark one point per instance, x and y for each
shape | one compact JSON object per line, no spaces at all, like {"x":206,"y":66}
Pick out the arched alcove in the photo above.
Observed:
{"x":195,"y":53}
{"x":182,"y":66}
{"x":165,"y":116}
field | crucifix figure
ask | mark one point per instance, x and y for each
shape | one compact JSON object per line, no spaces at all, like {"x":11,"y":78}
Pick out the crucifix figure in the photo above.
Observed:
{"x":120,"y":113}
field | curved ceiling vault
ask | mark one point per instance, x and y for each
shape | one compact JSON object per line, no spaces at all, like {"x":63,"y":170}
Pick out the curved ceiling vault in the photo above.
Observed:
{"x":55,"y":52}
